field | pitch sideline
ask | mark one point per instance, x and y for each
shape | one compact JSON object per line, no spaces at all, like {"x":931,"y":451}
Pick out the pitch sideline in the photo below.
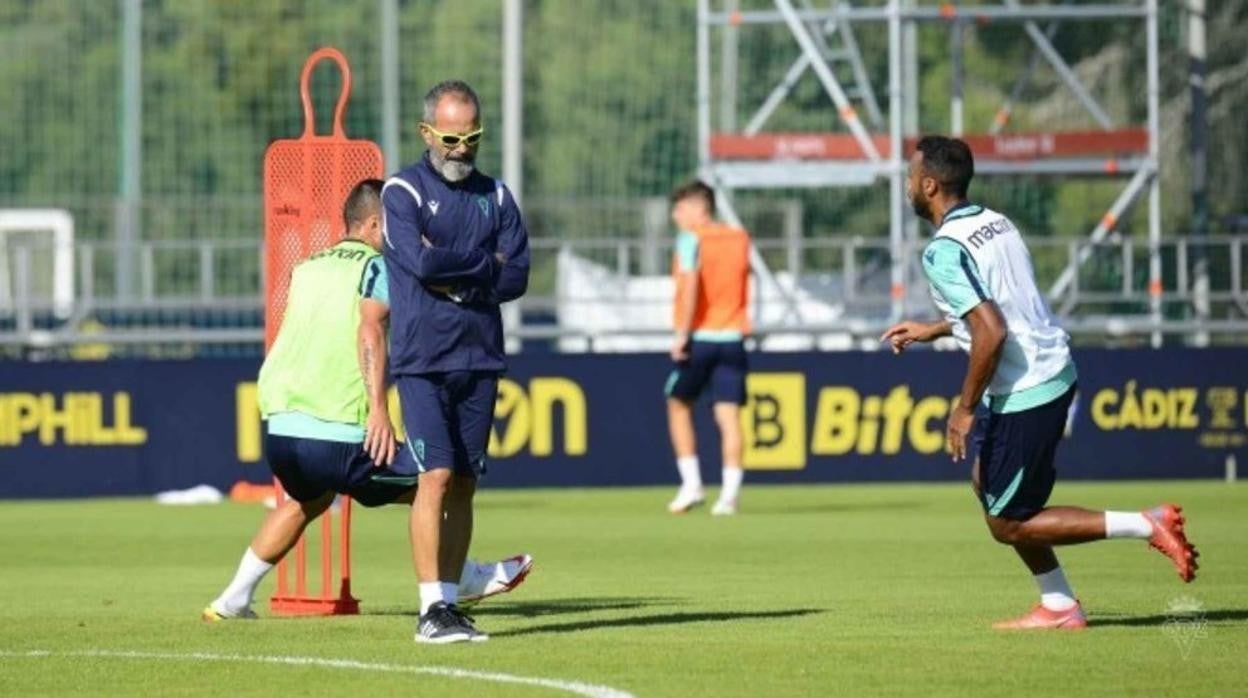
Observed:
{"x":573,"y":687}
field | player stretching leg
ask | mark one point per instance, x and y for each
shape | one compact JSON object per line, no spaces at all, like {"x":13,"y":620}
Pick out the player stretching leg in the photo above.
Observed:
{"x":982,"y":281}
{"x":322,"y":390}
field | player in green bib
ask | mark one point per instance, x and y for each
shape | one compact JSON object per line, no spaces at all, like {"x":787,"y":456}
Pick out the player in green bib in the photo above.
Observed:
{"x":323,"y":393}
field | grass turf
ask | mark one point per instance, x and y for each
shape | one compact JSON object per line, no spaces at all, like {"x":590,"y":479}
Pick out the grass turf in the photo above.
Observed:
{"x":810,"y":591}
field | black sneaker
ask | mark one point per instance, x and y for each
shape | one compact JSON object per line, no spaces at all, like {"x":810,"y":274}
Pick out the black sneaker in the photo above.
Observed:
{"x":466,"y":621}
{"x":440,"y":625}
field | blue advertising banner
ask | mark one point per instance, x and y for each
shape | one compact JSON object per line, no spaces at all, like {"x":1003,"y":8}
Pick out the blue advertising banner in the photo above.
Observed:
{"x":128,"y":427}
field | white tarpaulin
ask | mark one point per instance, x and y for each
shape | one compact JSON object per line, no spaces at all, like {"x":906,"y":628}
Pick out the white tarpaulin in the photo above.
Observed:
{"x":634,"y":313}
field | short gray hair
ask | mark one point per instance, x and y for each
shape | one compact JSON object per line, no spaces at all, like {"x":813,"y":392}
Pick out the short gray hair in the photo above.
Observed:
{"x":450,"y":87}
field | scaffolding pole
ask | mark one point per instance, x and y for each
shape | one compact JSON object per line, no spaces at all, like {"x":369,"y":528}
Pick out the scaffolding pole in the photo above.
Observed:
{"x":932,"y":13}
{"x":704,"y":85}
{"x":957,"y":36}
{"x":896,"y":193}
{"x":130,"y":184}
{"x":1198,"y":128}
{"x":390,"y":134}
{"x":910,"y":101}
{"x":1154,"y":187}
{"x":729,"y":60}
{"x":513,"y":97}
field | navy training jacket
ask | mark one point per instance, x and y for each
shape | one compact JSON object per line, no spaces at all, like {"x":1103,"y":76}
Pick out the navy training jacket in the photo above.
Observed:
{"x":467,"y":223}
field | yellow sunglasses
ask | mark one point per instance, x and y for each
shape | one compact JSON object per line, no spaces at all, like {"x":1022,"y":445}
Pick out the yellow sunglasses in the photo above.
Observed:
{"x":452,"y":140}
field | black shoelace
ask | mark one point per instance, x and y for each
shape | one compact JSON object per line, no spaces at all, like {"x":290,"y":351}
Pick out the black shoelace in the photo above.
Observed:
{"x":461,"y":617}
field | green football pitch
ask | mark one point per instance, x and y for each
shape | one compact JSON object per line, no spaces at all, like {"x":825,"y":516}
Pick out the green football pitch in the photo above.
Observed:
{"x":813,"y":590}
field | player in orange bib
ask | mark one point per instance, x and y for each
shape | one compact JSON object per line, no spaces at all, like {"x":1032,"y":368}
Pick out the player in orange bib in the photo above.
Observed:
{"x":711,"y":266}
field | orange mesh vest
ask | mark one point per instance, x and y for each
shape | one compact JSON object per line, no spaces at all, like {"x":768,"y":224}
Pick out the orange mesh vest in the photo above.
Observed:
{"x":723,"y":280}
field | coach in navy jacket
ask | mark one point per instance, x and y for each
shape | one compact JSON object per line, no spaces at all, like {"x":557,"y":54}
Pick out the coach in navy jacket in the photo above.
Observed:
{"x":454,"y":252}
{"x":455,"y":248}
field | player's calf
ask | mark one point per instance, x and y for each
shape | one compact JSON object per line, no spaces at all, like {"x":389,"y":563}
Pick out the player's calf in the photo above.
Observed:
{"x":1004,"y":531}
{"x":1049,"y":526}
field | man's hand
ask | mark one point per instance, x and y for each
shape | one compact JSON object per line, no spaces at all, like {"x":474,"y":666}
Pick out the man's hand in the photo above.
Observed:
{"x":903,"y":334}
{"x":450,"y":291}
{"x":379,"y":438}
{"x":961,"y":421}
{"x":680,"y":347}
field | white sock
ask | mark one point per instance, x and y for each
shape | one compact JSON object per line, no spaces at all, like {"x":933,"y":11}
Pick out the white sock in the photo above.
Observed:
{"x":1055,"y":593}
{"x":690,"y":473}
{"x":450,"y":592}
{"x":1127,"y":524}
{"x":733,"y":475}
{"x":237,"y":596}
{"x":430,"y":593}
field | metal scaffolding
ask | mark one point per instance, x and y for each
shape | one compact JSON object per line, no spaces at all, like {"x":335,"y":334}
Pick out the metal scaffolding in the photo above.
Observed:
{"x":751,"y":158}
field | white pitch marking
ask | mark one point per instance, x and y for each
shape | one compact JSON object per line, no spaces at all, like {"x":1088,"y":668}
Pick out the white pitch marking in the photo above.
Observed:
{"x":575,"y":687}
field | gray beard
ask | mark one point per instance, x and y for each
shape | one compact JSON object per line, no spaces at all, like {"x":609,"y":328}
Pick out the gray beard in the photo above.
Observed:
{"x":451,"y":170}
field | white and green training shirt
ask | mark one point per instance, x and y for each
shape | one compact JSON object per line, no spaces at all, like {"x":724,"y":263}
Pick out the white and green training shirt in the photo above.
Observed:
{"x":979,"y":255}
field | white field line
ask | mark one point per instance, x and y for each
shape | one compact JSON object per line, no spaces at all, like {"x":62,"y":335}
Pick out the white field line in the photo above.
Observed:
{"x":574,"y":687}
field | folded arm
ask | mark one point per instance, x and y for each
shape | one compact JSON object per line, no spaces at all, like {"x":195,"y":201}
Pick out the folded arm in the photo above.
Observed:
{"x":512,"y":256}
{"x":405,"y":245}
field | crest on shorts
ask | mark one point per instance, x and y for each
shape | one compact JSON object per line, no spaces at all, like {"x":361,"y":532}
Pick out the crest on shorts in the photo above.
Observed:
{"x":417,"y":447}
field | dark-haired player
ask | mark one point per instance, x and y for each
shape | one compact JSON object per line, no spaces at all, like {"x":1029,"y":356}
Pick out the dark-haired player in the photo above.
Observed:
{"x":323,"y":394}
{"x":1018,"y":386}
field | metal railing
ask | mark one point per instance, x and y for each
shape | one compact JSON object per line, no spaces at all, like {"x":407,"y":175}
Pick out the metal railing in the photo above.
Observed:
{"x":211,"y":292}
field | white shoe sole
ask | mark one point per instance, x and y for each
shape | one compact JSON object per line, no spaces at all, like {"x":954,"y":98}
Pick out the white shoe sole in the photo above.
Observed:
{"x":445,"y":640}
{"x":675,"y":508}
{"x":213,"y":614}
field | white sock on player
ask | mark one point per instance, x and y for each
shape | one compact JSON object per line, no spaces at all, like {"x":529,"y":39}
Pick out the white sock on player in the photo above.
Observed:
{"x":237,"y":596}
{"x":1127,"y":524}
{"x":1055,"y":592}
{"x":690,"y":474}
{"x":430,"y":593}
{"x":450,"y":592}
{"x":733,"y":475}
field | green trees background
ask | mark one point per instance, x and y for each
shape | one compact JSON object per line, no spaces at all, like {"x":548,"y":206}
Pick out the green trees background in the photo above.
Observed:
{"x":609,"y":106}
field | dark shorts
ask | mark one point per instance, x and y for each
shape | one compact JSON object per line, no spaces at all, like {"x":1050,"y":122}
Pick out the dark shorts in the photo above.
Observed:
{"x":719,"y":366}
{"x":308,"y":468}
{"x":447,"y":418}
{"x":1016,"y":453}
